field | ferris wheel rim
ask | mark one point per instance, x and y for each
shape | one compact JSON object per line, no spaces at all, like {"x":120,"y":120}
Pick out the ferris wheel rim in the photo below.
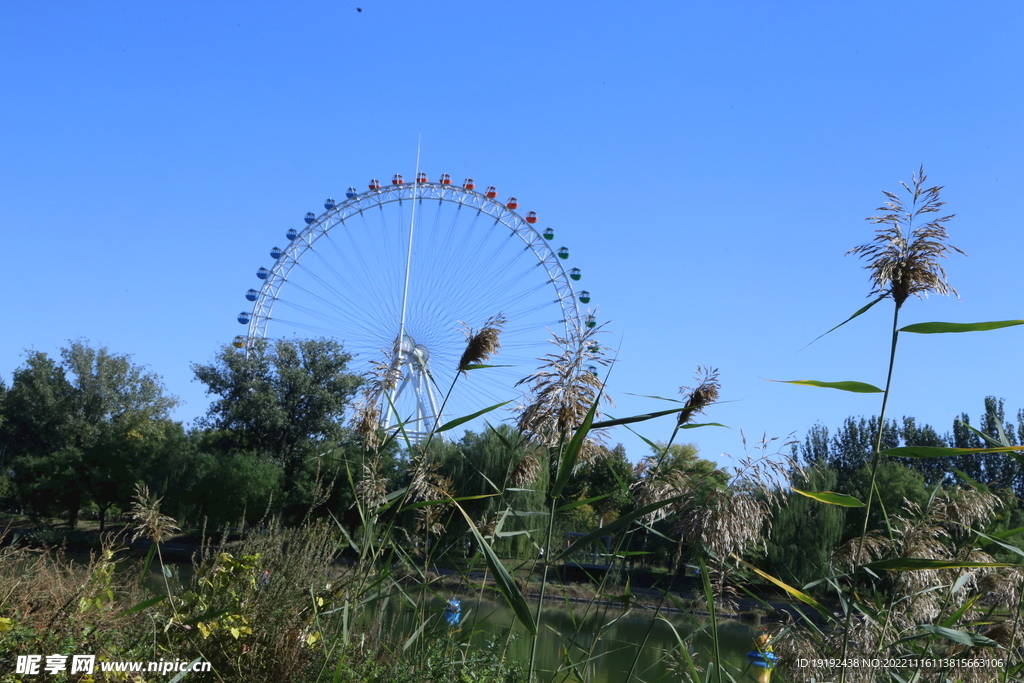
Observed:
{"x":304,"y":240}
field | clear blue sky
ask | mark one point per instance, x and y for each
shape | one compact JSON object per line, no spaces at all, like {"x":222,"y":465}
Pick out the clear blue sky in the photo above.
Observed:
{"x":709,"y":163}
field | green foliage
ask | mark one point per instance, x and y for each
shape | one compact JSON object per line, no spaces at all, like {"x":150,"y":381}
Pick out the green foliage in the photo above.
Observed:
{"x":283,"y":401}
{"x":804,"y":531}
{"x":81,"y":431}
{"x":608,"y":477}
{"x":895,"y":483}
{"x":491,"y":465}
{"x":276,"y":398}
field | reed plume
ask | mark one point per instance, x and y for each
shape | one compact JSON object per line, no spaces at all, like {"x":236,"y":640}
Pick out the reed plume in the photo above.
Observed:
{"x":383,"y":378}
{"x":483,"y":343}
{"x":149,"y":521}
{"x":701,"y":396}
{"x":903,"y":259}
{"x":564,"y":388}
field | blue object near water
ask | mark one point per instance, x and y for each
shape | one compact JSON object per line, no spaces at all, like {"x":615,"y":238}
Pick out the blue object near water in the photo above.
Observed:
{"x":764,"y":660}
{"x":453,"y":612}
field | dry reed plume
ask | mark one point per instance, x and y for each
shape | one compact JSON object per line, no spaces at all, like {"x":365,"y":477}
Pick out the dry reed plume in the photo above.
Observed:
{"x":483,"y":343}
{"x":903,"y":258}
{"x":382,"y":378}
{"x":701,"y":396}
{"x":429,"y":485}
{"x":940,"y":531}
{"x":525,"y":472}
{"x":149,"y":521}
{"x":563,"y":390}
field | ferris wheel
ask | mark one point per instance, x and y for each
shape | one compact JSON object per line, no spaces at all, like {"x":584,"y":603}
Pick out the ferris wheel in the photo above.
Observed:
{"x":395,"y":273}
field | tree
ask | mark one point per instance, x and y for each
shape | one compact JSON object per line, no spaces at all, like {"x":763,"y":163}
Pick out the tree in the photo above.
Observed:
{"x":934,"y":470}
{"x":609,"y":474}
{"x":675,"y":468}
{"x":853,"y":445}
{"x":279,"y":399}
{"x":805,"y":531}
{"x":1001,"y":470}
{"x":507,"y":471}
{"x":896,"y":483}
{"x":38,"y":414}
{"x":76,"y":430}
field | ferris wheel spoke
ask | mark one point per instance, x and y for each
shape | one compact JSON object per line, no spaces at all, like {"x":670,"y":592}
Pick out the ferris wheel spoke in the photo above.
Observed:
{"x":353,"y":314}
{"x":339,"y":326}
{"x":358,"y":275}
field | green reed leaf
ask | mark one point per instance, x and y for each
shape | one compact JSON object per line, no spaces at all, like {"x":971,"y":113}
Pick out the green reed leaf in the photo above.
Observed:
{"x":141,"y":606}
{"x":798,"y":594}
{"x":995,"y":538}
{"x":445,"y":501}
{"x":910,"y":564}
{"x":860,"y":312}
{"x":466,"y":418}
{"x":506,"y":585}
{"x":941,"y":328}
{"x":635,"y":418}
{"x":659,"y":398}
{"x":941,"y":452}
{"x":1009,"y":533}
{"x":831,"y":498}
{"x":616,"y":524}
{"x":572,"y":451}
{"x":963,"y":637}
{"x":578,"y":503}
{"x":955,"y":616}
{"x":856,"y":387}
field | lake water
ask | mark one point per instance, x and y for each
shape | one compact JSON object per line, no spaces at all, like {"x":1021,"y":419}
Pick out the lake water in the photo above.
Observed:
{"x":562,"y":630}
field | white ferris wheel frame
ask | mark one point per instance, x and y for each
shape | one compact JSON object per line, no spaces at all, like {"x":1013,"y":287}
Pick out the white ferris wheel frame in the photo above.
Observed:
{"x":412,"y":363}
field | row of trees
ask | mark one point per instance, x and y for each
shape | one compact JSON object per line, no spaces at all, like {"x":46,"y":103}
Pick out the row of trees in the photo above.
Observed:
{"x":806,"y":533}
{"x":79,"y":431}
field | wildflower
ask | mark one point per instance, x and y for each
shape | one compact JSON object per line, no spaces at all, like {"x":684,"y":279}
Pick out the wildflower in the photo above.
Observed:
{"x":902,"y":258}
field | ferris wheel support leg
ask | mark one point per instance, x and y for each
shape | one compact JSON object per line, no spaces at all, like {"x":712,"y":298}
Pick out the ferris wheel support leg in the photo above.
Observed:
{"x":391,"y":407}
{"x":434,"y":414}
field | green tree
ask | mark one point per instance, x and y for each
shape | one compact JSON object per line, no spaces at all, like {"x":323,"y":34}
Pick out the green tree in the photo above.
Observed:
{"x":501,"y":465}
{"x":38,"y":410}
{"x":281,"y":401}
{"x":896,"y":483}
{"x":1001,"y":470}
{"x":934,"y":470}
{"x":76,"y":430}
{"x":678,"y":467}
{"x":853,"y":444}
{"x":804,"y":531}
{"x":609,"y":474}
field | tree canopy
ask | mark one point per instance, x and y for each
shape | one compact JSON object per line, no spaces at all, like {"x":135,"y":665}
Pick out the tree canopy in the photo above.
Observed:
{"x":277,"y":397}
{"x":75,"y":429}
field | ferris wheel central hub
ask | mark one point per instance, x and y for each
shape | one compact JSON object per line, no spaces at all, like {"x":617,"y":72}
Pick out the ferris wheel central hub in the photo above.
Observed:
{"x":408,"y":352}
